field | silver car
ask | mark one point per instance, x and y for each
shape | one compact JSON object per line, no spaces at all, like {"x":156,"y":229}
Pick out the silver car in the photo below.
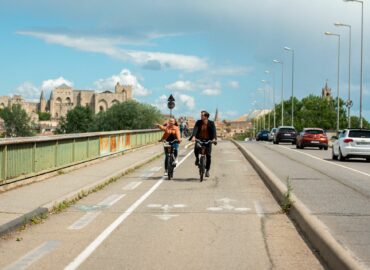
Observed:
{"x":352,"y":143}
{"x":271,"y":134}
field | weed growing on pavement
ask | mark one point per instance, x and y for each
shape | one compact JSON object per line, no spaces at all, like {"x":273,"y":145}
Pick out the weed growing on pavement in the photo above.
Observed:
{"x":61,"y":172}
{"x":287,"y":201}
{"x":19,"y":239}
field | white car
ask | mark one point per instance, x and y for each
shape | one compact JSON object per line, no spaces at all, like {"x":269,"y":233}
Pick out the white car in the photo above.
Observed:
{"x":352,"y":143}
{"x":271,"y":134}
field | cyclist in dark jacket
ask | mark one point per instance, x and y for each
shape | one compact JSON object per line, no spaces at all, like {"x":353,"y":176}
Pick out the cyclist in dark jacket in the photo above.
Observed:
{"x":204,"y":130}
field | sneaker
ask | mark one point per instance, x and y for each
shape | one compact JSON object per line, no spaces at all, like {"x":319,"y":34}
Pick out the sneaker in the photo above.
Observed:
{"x":207,"y":173}
{"x":165,"y":173}
{"x":197,"y":162}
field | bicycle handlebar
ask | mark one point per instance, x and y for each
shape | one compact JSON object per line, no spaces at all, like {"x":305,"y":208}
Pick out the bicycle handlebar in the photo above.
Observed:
{"x":206,"y":142}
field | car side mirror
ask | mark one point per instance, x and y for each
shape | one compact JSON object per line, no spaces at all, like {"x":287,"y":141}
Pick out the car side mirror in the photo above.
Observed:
{"x":334,"y":138}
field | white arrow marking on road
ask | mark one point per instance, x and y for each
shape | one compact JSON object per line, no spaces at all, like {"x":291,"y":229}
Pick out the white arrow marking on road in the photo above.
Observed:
{"x":224,"y":204}
{"x":166,"y":208}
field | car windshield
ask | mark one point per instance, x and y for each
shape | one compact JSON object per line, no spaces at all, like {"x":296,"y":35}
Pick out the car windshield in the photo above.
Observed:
{"x":314,"y":131}
{"x":359,"y":134}
{"x":286,"y":130}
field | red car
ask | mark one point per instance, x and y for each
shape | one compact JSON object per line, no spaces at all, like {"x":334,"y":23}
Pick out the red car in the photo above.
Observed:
{"x":312,"y":137}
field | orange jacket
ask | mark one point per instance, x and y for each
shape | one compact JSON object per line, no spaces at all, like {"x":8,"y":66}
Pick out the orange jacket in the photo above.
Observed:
{"x":170,"y":130}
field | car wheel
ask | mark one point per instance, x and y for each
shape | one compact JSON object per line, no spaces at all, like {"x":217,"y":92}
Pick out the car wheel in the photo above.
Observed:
{"x":368,"y":159}
{"x":340,"y":156}
{"x":275,"y":142}
{"x":325,"y":148}
{"x":320,"y":147}
{"x":302,"y":147}
{"x":333,"y":156}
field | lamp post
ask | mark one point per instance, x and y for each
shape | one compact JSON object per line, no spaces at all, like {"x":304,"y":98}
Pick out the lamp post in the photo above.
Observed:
{"x":349,"y":101}
{"x":265,"y":82}
{"x":337,"y":35}
{"x":292,"y":97}
{"x":273,"y":94}
{"x":282,"y":89}
{"x":362,"y":54}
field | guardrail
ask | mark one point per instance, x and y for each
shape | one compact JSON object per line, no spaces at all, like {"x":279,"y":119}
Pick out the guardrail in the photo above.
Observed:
{"x":26,"y":157}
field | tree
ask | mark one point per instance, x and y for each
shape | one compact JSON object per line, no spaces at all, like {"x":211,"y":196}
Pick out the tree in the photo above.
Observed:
{"x":128,"y":115}
{"x":16,"y":121}
{"x":44,"y":116}
{"x":78,"y":120}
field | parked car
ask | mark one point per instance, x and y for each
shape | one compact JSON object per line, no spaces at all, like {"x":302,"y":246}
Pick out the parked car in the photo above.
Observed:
{"x":312,"y":137}
{"x":285,"y":134}
{"x":272,"y":133}
{"x":263,"y":135}
{"x":352,"y":143}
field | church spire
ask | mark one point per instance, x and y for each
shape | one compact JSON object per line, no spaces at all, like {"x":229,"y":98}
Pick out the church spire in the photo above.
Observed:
{"x":216,"y":115}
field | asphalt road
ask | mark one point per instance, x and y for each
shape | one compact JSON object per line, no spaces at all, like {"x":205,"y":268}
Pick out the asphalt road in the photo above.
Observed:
{"x":338,"y":193}
{"x":229,"y":221}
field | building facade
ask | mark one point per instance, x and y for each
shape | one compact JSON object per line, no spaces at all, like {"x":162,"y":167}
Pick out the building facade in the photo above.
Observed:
{"x":64,"y":98}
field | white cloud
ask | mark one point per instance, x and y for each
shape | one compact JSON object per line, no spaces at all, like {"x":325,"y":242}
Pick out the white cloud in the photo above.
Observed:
{"x":28,"y":91}
{"x":161,"y":103}
{"x":211,"y":92}
{"x":109,"y":46}
{"x":125,"y":77}
{"x":50,"y":84}
{"x":188,"y":101}
{"x":230,"y":71}
{"x":234,"y":84}
{"x":181,"y":85}
{"x":231,"y":113}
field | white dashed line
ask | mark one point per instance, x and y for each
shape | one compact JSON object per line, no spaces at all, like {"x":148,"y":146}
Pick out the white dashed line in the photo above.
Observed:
{"x":33,"y":256}
{"x":259,"y":209}
{"x":332,"y":163}
{"x":89,"y":217}
{"x":132,"y":185}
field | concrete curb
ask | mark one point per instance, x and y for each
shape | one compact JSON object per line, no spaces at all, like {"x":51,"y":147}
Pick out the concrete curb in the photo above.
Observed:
{"x":72,"y":196}
{"x":332,"y":252}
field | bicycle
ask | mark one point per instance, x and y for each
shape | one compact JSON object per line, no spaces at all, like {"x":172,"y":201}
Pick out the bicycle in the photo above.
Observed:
{"x":203,"y":156}
{"x":170,"y":157}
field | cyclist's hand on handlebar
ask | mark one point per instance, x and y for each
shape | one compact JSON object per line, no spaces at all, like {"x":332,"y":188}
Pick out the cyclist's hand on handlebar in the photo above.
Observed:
{"x":215,"y":142}
{"x":193,"y":139}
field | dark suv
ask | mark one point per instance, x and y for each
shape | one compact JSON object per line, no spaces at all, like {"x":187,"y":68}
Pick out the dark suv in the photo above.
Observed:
{"x":285,"y":134}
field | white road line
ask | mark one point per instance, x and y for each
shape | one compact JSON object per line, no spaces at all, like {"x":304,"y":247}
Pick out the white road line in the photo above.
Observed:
{"x":332,"y":163}
{"x":33,"y":255}
{"x":132,"y":185}
{"x":86,"y":219}
{"x":259,"y":209}
{"x":155,"y":169}
{"x":100,"y":239}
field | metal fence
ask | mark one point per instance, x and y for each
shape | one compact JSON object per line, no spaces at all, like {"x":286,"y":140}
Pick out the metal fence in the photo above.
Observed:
{"x":26,"y":157}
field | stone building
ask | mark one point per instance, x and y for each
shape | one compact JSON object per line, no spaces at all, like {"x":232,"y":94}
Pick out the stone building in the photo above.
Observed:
{"x":64,"y":98}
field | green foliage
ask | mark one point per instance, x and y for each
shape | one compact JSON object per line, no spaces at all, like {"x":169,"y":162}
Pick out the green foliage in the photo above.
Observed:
{"x":44,"y":116}
{"x":78,"y":120}
{"x":128,"y":115}
{"x":312,"y":111}
{"x":122,"y":116}
{"x":16,"y":121}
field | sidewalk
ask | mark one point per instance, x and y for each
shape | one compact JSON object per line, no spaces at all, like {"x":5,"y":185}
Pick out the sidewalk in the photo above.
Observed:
{"x":21,"y":204}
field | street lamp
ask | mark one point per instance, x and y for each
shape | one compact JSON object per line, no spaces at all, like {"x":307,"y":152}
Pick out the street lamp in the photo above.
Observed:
{"x":264,"y":115}
{"x":282,"y":89}
{"x":337,"y":35}
{"x":292,"y":98}
{"x":273,"y":94}
{"x":349,"y":101}
{"x":362,"y":54}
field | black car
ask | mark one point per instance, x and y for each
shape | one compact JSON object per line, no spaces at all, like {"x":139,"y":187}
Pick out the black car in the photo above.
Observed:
{"x":285,"y":134}
{"x":263,"y":135}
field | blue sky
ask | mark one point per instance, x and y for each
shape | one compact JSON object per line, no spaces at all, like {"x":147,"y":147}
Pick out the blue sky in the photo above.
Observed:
{"x":207,"y":53}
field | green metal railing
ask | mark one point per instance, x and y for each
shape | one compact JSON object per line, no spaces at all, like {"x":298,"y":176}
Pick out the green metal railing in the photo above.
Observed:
{"x":26,"y":157}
